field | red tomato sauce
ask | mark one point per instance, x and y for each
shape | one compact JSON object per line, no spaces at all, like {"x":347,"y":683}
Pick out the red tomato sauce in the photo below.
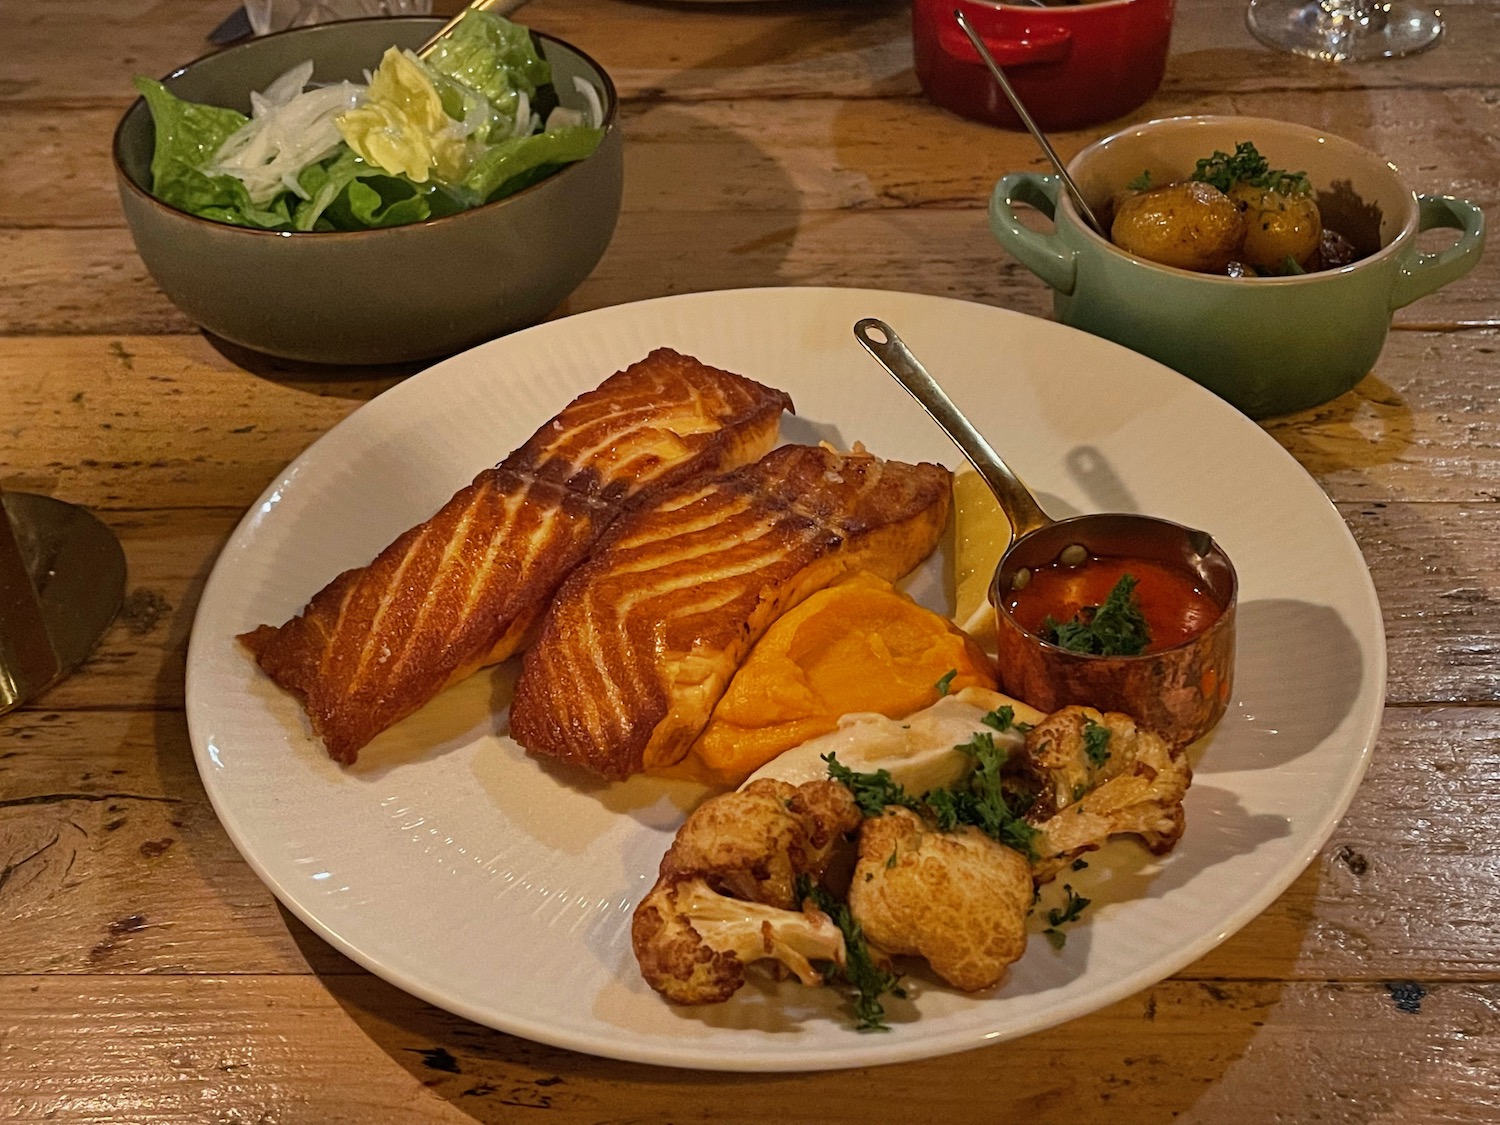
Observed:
{"x":1175,"y":601}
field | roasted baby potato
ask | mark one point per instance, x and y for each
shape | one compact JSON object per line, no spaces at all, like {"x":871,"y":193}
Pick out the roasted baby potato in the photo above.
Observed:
{"x":1190,"y":225}
{"x":1278,"y":227}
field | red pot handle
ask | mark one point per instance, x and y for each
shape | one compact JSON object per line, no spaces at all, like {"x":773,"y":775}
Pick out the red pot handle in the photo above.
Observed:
{"x":1045,"y":45}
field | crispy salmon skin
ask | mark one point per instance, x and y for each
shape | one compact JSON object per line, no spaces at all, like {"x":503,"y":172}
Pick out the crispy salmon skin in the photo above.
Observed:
{"x":466,"y":588}
{"x":642,"y":639}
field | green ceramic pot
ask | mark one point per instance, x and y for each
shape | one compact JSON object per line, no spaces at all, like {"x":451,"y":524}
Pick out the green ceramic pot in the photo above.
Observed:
{"x":380,"y":296}
{"x":1267,"y":345}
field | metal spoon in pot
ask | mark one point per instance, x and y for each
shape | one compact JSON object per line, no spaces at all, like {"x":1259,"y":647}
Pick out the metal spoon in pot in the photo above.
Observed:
{"x":1036,"y":132}
{"x":1179,"y":691}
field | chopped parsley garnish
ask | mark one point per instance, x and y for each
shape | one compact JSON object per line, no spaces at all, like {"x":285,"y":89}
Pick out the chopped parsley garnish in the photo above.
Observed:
{"x":1248,"y":166}
{"x":1096,"y":743}
{"x":1059,"y":916}
{"x":872,"y":791}
{"x":946,"y":682}
{"x":1116,"y":628}
{"x":1003,"y":719}
{"x":1141,"y":182}
{"x":981,"y":799}
{"x":869,"y":981}
{"x":1070,"y":910}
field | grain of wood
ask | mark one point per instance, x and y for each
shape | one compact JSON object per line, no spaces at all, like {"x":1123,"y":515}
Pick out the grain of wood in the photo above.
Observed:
{"x":303,"y":1051}
{"x":81,"y":416}
{"x":147,"y":975}
{"x":854,"y":48}
{"x":91,"y":282}
{"x":818,"y":153}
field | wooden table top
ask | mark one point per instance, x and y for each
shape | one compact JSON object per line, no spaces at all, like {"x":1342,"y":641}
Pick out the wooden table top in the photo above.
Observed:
{"x":146,"y":975}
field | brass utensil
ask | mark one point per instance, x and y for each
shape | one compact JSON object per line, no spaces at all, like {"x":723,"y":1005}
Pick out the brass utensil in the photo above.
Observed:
{"x":62,"y":580}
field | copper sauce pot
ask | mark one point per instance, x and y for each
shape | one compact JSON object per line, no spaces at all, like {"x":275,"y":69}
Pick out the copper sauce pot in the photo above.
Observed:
{"x":1179,"y":692}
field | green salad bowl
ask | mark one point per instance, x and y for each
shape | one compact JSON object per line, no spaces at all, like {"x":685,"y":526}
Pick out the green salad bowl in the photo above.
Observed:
{"x":389,"y":295}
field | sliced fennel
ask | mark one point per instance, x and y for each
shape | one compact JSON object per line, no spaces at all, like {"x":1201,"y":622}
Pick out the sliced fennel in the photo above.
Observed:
{"x":289,"y":129}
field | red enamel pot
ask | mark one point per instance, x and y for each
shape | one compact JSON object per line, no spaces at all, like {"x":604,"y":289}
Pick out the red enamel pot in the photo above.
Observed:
{"x":1071,"y":65}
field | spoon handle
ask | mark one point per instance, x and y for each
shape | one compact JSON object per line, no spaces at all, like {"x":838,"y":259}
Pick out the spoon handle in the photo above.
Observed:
{"x":1031,"y":126}
{"x":1019,"y":506}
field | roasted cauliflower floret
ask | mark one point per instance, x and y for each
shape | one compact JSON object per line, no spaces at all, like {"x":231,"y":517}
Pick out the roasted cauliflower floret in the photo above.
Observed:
{"x":752,"y":844}
{"x":726,"y":895}
{"x":1071,"y":751}
{"x":958,"y":899}
{"x":694,"y":944}
{"x":1101,"y":776}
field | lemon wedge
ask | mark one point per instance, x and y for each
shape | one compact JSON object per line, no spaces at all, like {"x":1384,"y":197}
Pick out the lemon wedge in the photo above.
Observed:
{"x":981,"y":534}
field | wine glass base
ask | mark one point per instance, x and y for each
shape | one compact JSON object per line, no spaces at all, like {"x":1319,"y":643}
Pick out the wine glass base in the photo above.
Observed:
{"x":1343,"y":32}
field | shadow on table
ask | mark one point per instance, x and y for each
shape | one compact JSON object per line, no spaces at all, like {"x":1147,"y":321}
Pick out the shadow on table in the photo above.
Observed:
{"x":352,"y":381}
{"x":1132,"y":1061}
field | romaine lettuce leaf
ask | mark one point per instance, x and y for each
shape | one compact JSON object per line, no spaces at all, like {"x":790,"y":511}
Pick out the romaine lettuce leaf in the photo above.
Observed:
{"x":501,"y":169}
{"x":498,"y":59}
{"x":187,"y":133}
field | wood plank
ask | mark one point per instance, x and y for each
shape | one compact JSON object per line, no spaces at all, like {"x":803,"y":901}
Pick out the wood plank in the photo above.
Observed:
{"x":92,"y":282}
{"x":300,"y":1051}
{"x":1418,"y":418}
{"x":853,"y":48}
{"x":114,"y":861}
{"x":1434,"y":571}
{"x":117,"y":863}
{"x":86,"y":423}
{"x":818,"y":153}
{"x":82,"y":417}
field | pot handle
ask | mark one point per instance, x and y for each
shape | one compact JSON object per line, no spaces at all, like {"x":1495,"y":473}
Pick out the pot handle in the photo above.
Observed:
{"x":1423,"y":273}
{"x":1042,"y":253}
{"x":1042,"y":45}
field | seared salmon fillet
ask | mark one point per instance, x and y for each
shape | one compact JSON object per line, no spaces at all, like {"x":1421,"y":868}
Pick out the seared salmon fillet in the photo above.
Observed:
{"x":466,"y":588}
{"x":642,"y":639}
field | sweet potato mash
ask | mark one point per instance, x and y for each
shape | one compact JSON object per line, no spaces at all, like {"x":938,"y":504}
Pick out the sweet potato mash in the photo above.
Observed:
{"x":859,"y":645}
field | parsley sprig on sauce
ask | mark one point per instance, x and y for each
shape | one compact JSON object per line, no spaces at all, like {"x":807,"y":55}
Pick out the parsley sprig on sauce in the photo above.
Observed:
{"x":1116,"y":628}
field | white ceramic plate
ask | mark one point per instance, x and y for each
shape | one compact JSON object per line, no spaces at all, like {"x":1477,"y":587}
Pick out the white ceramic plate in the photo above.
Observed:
{"x":457,"y":868}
